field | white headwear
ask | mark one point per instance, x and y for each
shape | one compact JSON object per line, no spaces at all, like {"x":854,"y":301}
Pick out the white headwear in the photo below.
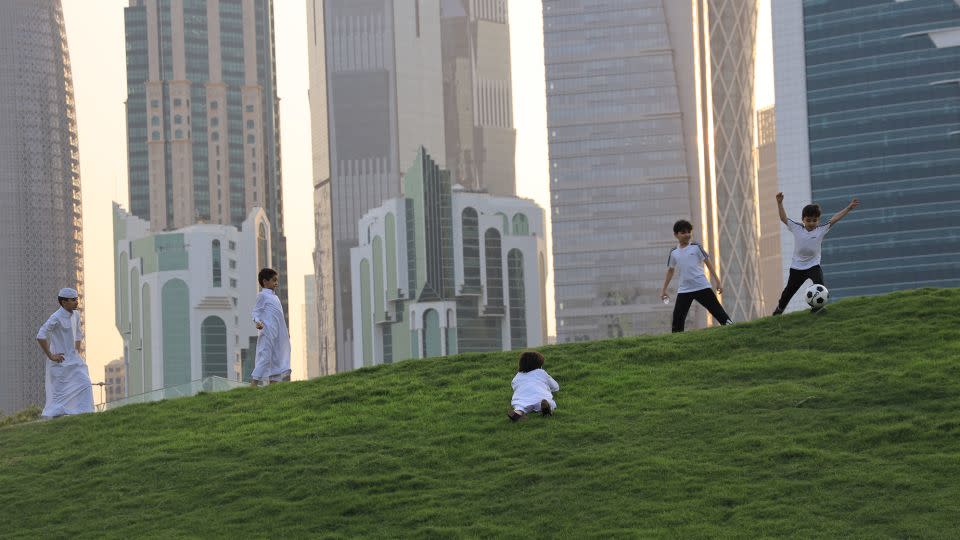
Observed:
{"x":67,"y":292}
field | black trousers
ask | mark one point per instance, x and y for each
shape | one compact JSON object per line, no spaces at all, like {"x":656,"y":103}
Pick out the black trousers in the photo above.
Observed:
{"x":706,"y":298}
{"x":795,"y":280}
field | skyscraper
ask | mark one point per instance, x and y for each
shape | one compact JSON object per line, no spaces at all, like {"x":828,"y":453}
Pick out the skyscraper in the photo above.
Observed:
{"x":650,"y":119}
{"x":477,"y":95}
{"x":203,"y":125}
{"x":40,"y":213}
{"x":388,"y":77}
{"x":771,"y":271}
{"x":868,"y":106}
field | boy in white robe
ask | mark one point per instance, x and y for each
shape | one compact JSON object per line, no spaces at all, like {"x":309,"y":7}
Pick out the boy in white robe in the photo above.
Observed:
{"x":67,"y":381}
{"x":273,"y":345}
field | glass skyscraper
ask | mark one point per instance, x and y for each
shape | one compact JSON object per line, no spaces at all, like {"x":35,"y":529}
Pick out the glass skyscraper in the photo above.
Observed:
{"x":882,"y":100}
{"x":650,"y":117}
{"x":203,"y":123}
{"x":40,"y":205}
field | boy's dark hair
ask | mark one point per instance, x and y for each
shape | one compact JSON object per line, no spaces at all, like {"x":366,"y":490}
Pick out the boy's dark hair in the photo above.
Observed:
{"x":810,"y":210}
{"x":529,"y":361}
{"x":265,"y":274}
{"x":60,"y":299}
{"x":682,"y":225}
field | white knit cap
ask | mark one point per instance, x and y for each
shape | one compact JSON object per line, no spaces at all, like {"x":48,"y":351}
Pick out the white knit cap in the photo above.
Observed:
{"x":67,"y":292}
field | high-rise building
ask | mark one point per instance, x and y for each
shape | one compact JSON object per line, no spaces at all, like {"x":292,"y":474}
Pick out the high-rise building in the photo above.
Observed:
{"x":40,"y":213}
{"x":203,"y":125}
{"x":387,"y":77}
{"x":650,"y":119}
{"x":443,"y":270}
{"x":184,"y":299}
{"x":868,"y":106}
{"x":115,"y":380}
{"x":311,"y":337}
{"x":477,"y":94}
{"x":771,"y":271}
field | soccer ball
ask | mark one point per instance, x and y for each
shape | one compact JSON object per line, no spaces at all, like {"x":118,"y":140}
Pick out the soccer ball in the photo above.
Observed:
{"x":817,"y":296}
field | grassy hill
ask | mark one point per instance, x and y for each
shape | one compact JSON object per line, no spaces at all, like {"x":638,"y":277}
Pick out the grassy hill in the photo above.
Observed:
{"x":842,"y":424}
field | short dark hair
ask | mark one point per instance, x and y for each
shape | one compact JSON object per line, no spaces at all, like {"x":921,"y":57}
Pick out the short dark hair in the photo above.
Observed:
{"x":682,"y":225}
{"x":265,"y":274}
{"x":60,"y":299}
{"x":810,"y":210}
{"x":529,"y":361}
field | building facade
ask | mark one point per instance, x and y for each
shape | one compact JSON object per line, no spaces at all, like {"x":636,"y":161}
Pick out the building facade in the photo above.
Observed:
{"x":477,"y":95}
{"x":40,"y":198}
{"x":442,"y":270}
{"x":203,"y":123}
{"x":650,"y":119}
{"x":184,"y":299}
{"x":115,"y":380}
{"x":311,"y":336}
{"x":875,"y":109}
{"x":387,"y":77}
{"x":771,"y":271}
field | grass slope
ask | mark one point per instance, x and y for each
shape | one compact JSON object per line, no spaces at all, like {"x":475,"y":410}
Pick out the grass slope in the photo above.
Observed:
{"x":842,"y":424}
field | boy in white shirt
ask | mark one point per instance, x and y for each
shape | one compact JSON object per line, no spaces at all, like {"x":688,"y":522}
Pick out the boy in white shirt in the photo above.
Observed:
{"x":807,"y":239}
{"x":67,"y":380}
{"x":689,"y":258}
{"x":273,"y":345}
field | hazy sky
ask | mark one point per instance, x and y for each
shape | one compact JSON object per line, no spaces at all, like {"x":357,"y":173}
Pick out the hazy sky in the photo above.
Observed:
{"x":96,"y":38}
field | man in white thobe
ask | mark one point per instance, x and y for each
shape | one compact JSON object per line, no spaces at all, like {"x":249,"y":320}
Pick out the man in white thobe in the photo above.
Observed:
{"x":273,"y":345}
{"x":68,"y":385}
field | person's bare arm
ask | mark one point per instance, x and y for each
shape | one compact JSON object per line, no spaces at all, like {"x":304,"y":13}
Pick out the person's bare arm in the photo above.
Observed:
{"x":840,"y":215}
{"x":713,"y":274}
{"x":666,"y":281}
{"x":783,"y":213}
{"x":45,"y":347}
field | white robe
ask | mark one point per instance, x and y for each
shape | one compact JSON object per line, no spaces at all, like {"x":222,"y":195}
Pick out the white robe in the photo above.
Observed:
{"x":532,"y":387}
{"x":273,"y":345}
{"x":67,"y":383}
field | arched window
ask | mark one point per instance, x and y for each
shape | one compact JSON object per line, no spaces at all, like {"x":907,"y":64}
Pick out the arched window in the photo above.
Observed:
{"x":365,"y":332}
{"x":213,"y":347}
{"x":431,"y":334}
{"x":471,"y":249}
{"x":520,"y":225}
{"x":155,"y":120}
{"x":155,"y":135}
{"x":175,"y":322}
{"x":518,"y":309}
{"x":494,"y":260}
{"x":215,"y":255}
{"x":250,"y":139}
{"x":263,"y":255}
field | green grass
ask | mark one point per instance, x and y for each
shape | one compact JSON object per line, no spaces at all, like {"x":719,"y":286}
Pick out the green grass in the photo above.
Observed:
{"x":842,"y":424}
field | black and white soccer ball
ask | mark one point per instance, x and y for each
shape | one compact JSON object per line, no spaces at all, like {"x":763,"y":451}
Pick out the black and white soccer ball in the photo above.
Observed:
{"x":817,"y":296}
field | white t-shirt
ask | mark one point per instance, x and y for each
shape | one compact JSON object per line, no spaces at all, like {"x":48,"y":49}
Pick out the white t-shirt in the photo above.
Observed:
{"x":689,"y":264}
{"x":806,"y":244}
{"x":531,"y":387}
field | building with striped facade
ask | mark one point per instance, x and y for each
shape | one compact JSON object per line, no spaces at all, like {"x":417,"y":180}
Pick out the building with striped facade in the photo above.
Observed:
{"x":650,"y":119}
{"x":442,"y":270}
{"x":386,"y":77}
{"x":203,"y":126}
{"x":868,"y":106}
{"x":40,"y":197}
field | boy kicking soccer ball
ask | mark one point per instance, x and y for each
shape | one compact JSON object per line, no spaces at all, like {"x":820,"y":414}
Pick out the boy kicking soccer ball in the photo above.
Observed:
{"x":807,"y":238}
